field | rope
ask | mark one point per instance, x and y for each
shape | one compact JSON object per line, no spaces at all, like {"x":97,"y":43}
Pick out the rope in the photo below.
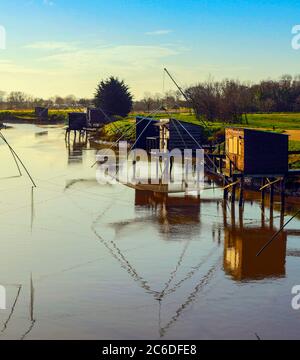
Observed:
{"x":277,"y":233}
{"x":18,"y":158}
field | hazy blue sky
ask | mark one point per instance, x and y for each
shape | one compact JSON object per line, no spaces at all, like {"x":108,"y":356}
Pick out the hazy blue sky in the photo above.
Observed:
{"x":66,"y":46}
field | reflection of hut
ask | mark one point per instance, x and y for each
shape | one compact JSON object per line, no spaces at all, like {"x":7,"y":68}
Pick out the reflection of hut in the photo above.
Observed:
{"x":41,"y":112}
{"x":241,"y":247}
{"x":171,"y":209}
{"x":255,"y":152}
{"x":75,"y":151}
{"x":167,"y":134}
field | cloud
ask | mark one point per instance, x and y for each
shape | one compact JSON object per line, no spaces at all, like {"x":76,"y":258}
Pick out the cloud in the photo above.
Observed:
{"x":121,"y":57}
{"x":75,"y":67}
{"x":7,"y":66}
{"x":51,"y":45}
{"x":48,"y":2}
{"x":159,"y":32}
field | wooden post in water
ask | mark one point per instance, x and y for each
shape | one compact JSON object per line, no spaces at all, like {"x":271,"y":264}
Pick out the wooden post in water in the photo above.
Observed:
{"x":282,"y":195}
{"x":271,"y":195}
{"x":241,"y":217}
{"x":225,"y":194}
{"x":233,"y":214}
{"x":233,"y":189}
{"x":263,"y":182}
{"x":241,"y":199}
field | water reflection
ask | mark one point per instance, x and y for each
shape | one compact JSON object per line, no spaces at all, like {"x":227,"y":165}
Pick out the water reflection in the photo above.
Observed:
{"x":180,"y":258}
{"x":75,"y":149}
{"x":170,"y":210}
{"x":241,"y":246}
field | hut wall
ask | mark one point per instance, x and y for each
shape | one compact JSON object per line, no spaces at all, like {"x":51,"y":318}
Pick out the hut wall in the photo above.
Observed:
{"x":151,"y":131}
{"x":77,"y":121}
{"x":179,"y":138}
{"x":265,"y":152}
{"x":41,"y":112}
{"x":96,"y":118}
{"x":234,"y":145}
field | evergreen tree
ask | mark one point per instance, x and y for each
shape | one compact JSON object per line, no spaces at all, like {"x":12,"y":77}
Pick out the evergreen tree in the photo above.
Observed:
{"x":113,"y":97}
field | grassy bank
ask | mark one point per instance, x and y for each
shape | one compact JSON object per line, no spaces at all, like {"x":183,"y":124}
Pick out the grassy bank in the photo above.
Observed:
{"x":275,"y":121}
{"x":29,"y":115}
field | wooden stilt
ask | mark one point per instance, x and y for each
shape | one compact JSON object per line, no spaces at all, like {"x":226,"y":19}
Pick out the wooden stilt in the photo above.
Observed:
{"x":271,"y":195}
{"x":233,"y":215}
{"x":282,"y":194}
{"x":241,"y":199}
{"x":263,"y":182}
{"x":225,"y":213}
{"x":233,"y":190}
{"x":225,"y":194}
{"x":241,"y":217}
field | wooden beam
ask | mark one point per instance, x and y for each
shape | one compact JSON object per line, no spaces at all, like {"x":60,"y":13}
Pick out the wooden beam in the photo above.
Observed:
{"x":268,"y":184}
{"x":231,"y":184}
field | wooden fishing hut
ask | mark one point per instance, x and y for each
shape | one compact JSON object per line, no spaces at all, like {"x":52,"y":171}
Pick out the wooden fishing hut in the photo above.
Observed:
{"x":255,"y":154}
{"x":41,"y":112}
{"x":97,"y":118}
{"x":77,"y":122}
{"x":167,"y":134}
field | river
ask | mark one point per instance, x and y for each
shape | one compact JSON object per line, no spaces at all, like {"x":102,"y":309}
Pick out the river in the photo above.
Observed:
{"x":80,"y":260}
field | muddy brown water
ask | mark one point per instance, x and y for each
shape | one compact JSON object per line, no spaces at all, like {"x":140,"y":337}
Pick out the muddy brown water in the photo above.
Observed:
{"x":81,"y":260}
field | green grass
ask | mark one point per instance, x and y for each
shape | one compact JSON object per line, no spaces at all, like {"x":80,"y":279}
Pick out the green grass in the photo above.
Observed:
{"x":118,"y":128}
{"x":294,"y":145}
{"x":281,"y":121}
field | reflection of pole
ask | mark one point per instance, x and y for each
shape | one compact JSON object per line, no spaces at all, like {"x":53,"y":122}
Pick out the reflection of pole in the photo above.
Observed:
{"x":32,"y":208}
{"x":31,"y":309}
{"x":31,"y":299}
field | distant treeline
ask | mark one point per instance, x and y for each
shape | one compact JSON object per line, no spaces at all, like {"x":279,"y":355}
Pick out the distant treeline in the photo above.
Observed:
{"x":20,"y":100}
{"x":226,"y":101}
{"x":231,"y":100}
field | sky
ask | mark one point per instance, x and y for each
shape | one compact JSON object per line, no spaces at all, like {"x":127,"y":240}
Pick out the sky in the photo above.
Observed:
{"x":62,"y":47}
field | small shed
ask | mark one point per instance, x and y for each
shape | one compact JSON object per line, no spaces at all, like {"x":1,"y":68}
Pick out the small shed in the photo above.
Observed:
{"x":97,"y":117}
{"x":77,"y":121}
{"x":41,"y":112}
{"x":255,"y":152}
{"x":167,"y":134}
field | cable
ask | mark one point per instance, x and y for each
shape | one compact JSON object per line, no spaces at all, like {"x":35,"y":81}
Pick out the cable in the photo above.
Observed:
{"x":277,"y":233}
{"x":17,"y":156}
